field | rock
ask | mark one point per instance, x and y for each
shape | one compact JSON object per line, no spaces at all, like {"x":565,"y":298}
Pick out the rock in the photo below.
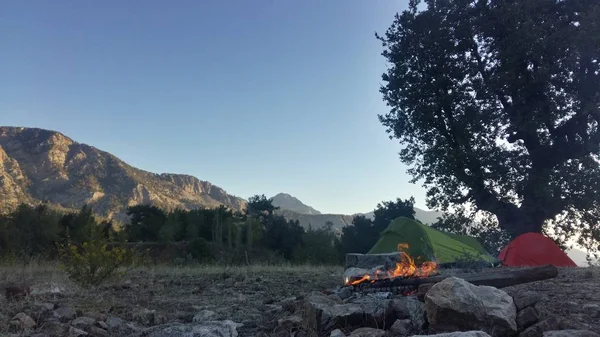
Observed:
{"x":81,"y":322}
{"x":149,"y":317}
{"x":592,"y":310}
{"x":337,"y":333}
{"x":367,"y":332}
{"x":74,"y":332}
{"x":344,"y":292}
{"x":354,"y":273}
{"x":289,"y":322}
{"x":45,"y":306}
{"x":103,"y":325}
{"x":41,"y":334}
{"x":411,"y":308}
{"x":454,"y":304}
{"x":570,"y":333}
{"x":204,"y":316}
{"x":401,"y":327}
{"x":323,"y":313}
{"x":16,"y":293}
{"x":206,"y":329}
{"x":95,"y":315}
{"x":114,"y":323}
{"x":538,"y":329}
{"x":471,"y":333}
{"x":23,"y":321}
{"x":368,"y":261}
{"x":527,"y":317}
{"x":229,"y":282}
{"x":97,"y":332}
{"x":54,"y":328}
{"x":526,"y":299}
{"x":65,"y":314}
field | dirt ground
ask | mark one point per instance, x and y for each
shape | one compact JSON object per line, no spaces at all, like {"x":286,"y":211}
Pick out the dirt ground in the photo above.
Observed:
{"x":245,"y":294}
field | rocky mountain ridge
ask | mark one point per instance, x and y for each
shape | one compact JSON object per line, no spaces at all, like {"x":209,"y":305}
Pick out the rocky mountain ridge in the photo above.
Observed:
{"x":39,"y":165}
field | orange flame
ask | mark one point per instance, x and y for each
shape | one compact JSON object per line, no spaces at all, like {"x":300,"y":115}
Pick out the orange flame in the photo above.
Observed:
{"x":406,"y":267}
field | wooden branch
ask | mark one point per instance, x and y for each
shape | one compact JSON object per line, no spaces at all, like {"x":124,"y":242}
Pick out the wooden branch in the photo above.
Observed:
{"x":498,"y":279}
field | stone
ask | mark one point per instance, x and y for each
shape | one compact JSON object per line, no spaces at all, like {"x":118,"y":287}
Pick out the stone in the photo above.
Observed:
{"x":526,"y":299}
{"x":354,"y":273}
{"x":24,"y":321}
{"x":456,"y":305}
{"x":368,"y":261}
{"x":103,"y":325}
{"x":337,"y":333}
{"x":289,"y":322}
{"x":204,"y":316}
{"x":74,"y":332}
{"x":570,"y":333}
{"x":591,"y":310}
{"x":205,"y":329}
{"x":323,"y":313}
{"x":527,"y":317}
{"x":367,"y":332}
{"x":344,"y":292}
{"x":81,"y":322}
{"x":54,"y":327}
{"x":149,"y":317}
{"x":95,"y":315}
{"x":401,"y":327}
{"x":41,"y":334}
{"x":45,"y":306}
{"x":65,"y":314}
{"x":538,"y":329}
{"x":229,"y":282}
{"x":97,"y":332}
{"x":471,"y":333}
{"x":114,"y":323}
{"x":410,"y":307}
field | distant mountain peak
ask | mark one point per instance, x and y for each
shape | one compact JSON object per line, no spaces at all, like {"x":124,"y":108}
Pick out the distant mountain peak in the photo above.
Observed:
{"x":287,"y":202}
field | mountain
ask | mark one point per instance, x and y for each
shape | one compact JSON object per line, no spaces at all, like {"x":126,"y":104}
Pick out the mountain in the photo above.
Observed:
{"x":288,"y":202}
{"x":40,"y":165}
{"x":293,"y":209}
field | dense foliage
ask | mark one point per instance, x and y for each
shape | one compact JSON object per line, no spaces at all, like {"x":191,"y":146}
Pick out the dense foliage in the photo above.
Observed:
{"x":182,"y":236}
{"x":497,"y":104}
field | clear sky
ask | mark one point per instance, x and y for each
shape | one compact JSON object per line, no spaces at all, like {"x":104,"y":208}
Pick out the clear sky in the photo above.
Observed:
{"x":260,"y":96}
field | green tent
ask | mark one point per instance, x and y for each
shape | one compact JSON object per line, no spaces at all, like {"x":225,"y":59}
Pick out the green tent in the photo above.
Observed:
{"x":426,"y":243}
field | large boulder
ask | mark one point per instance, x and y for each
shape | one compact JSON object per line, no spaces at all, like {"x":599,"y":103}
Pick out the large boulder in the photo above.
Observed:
{"x":456,"y":305}
{"x":324,"y":313}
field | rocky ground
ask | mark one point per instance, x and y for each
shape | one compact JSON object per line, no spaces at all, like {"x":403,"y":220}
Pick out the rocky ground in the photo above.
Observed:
{"x":254,"y":297}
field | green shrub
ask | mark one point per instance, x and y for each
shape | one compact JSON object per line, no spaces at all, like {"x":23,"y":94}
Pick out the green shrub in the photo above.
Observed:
{"x":200,"y":250}
{"x":93,"y":263}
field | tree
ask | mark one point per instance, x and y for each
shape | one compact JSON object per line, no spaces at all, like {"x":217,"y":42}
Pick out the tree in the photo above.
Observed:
{"x":496,"y":103}
{"x":360,"y":237}
{"x":145,"y":223}
{"x":485,"y":229}
{"x":387,"y":211}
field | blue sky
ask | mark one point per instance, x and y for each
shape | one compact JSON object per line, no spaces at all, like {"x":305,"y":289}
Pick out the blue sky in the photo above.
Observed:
{"x":253,"y":96}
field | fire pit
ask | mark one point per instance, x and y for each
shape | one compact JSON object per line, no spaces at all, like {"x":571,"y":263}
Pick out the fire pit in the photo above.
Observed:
{"x":394,"y":278}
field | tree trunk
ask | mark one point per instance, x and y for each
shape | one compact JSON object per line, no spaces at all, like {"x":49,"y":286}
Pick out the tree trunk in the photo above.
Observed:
{"x":520,"y":222}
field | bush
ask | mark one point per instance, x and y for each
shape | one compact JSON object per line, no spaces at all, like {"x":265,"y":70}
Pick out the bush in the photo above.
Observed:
{"x":200,"y":250}
{"x":93,"y":263}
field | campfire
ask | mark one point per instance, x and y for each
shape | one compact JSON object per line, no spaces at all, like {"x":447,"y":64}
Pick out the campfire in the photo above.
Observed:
{"x":405,"y":268}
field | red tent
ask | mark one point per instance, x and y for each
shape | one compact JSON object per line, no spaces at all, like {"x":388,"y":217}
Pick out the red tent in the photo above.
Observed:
{"x":534,"y":249}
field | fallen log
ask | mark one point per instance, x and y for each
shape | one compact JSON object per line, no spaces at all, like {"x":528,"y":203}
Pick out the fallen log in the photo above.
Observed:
{"x":498,"y":279}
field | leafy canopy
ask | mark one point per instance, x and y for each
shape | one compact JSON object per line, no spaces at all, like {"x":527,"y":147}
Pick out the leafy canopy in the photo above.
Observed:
{"x":497,"y":104}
